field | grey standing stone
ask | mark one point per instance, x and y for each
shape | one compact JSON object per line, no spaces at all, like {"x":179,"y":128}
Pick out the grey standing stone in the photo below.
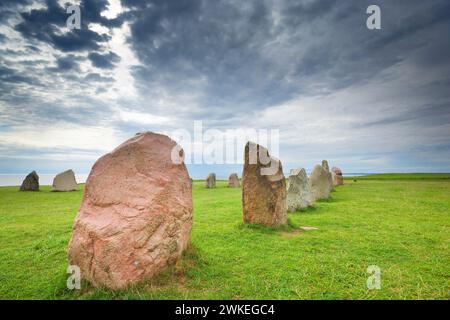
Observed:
{"x":299,"y":195}
{"x":326,"y":167}
{"x":233,"y":181}
{"x":31,"y":182}
{"x":65,"y":181}
{"x":211,"y":181}
{"x":319,"y":183}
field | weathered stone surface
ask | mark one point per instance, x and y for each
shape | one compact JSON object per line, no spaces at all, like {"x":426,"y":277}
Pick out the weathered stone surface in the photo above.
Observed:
{"x":233,"y":181}
{"x":263,"y":187}
{"x":336,"y":170}
{"x":31,"y":182}
{"x":338,"y":179}
{"x":299,"y":195}
{"x":136,"y":215}
{"x":211,"y":181}
{"x":326,"y":167}
{"x":65,"y":181}
{"x":319,"y":183}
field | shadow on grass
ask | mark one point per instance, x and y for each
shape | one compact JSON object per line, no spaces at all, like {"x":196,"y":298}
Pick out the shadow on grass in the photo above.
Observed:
{"x":329,"y":200}
{"x":289,"y":227}
{"x":63,"y":192}
{"x":315,"y":209}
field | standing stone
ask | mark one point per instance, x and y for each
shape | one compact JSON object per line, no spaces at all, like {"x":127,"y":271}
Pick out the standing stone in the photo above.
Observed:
{"x":338,"y":179}
{"x":326,"y":167}
{"x":135,"y":218}
{"x":65,"y":181}
{"x":233,"y":181}
{"x":263,"y":187}
{"x":299,"y":195}
{"x":320,"y":185}
{"x":211,"y":181}
{"x":31,"y":182}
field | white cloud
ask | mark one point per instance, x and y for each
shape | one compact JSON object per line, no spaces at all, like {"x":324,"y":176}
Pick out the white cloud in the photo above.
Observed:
{"x":96,"y":27}
{"x":123,"y":87}
{"x":141,"y":118}
{"x":114,"y":8}
{"x":61,"y":135}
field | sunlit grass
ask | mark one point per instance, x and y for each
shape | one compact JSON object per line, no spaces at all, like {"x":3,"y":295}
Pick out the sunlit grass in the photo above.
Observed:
{"x":402,"y":226}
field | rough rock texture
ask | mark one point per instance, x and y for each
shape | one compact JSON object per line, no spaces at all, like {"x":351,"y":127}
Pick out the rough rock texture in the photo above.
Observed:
{"x":31,"y":182}
{"x":263,"y":187}
{"x":338,"y":179}
{"x":233,"y":181}
{"x":136,"y":215}
{"x":211,"y":181}
{"x":299,"y":195}
{"x":319,"y":183}
{"x":326,"y":167}
{"x":65,"y":181}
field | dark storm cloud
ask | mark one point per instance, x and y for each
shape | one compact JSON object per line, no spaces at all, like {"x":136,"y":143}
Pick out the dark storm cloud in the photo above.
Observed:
{"x":220,"y":42}
{"x":33,"y":48}
{"x":104,"y":61}
{"x":250,"y":58}
{"x":241,"y":58}
{"x":44,"y":24}
{"x":68,"y":66}
{"x":296,"y":13}
{"x":98,"y":78}
{"x":8,"y":4}
{"x":11,"y":76}
{"x":66,"y":63}
{"x":77,"y":40}
{"x":9,"y":8}
{"x":225,"y":61}
{"x":40,"y":88}
{"x":247,"y":56}
{"x":405,"y":25}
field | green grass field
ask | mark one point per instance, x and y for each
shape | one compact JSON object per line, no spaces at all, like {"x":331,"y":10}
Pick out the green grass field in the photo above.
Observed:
{"x":401,"y":225}
{"x":405,"y":176}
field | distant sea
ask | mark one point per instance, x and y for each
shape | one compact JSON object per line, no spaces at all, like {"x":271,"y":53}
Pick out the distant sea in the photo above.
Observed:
{"x":47,"y":179}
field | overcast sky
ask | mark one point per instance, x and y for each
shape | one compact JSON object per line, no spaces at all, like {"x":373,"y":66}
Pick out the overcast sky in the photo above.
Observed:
{"x":366,"y":100}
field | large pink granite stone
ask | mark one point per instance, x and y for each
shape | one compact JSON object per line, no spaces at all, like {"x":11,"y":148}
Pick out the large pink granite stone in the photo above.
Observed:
{"x":136,"y":215}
